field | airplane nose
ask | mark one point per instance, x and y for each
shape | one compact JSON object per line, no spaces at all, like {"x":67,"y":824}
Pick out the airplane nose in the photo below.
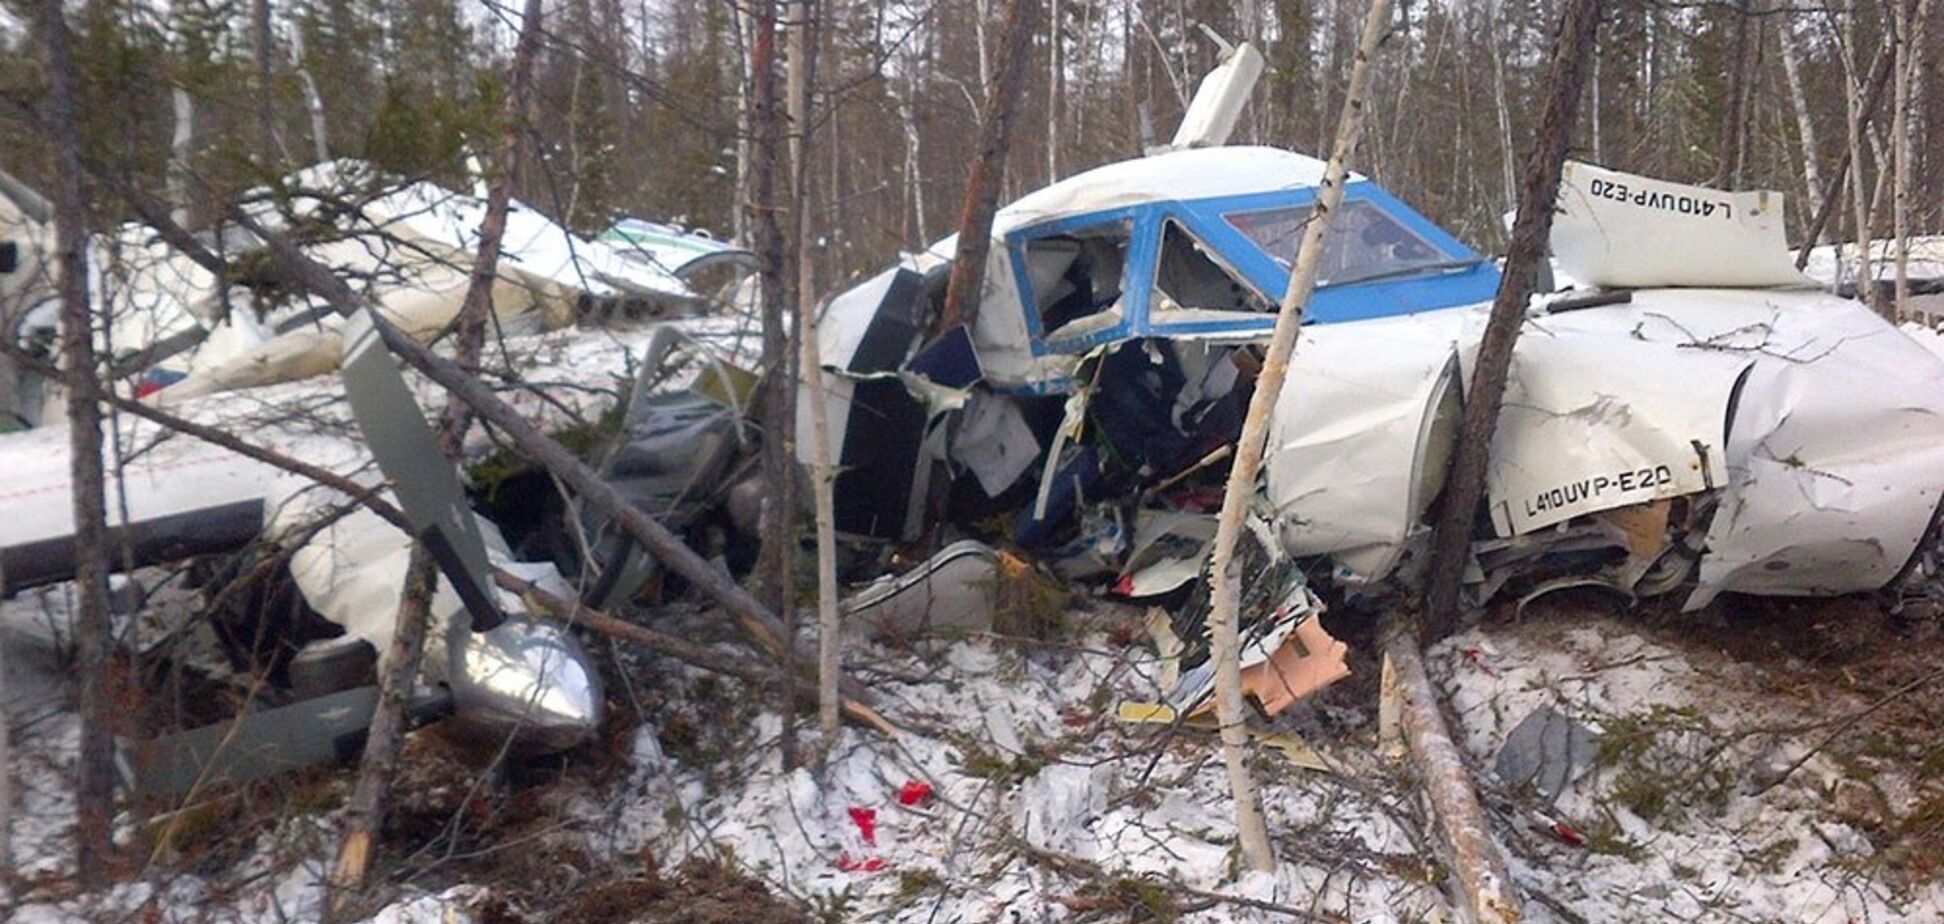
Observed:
{"x":528,"y":680}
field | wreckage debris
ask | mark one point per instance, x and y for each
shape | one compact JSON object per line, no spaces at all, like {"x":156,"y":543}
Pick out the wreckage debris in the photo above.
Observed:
{"x":1690,"y":420}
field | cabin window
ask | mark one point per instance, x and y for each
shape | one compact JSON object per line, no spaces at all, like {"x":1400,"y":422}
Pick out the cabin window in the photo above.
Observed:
{"x":1364,"y":242}
{"x":1189,"y":276}
{"x":1077,"y":278}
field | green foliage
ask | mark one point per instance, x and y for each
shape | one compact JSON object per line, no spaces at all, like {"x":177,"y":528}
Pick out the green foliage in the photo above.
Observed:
{"x":1666,"y":763}
{"x":416,"y":132}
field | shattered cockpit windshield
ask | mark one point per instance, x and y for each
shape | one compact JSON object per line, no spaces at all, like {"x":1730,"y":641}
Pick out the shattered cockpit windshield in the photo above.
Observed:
{"x":1364,"y":243}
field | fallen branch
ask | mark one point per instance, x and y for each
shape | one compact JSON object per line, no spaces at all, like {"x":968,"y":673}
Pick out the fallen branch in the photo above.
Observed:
{"x":365,"y":812}
{"x":1088,"y":869}
{"x":1845,"y":724}
{"x":681,"y":649}
{"x":1483,"y":879}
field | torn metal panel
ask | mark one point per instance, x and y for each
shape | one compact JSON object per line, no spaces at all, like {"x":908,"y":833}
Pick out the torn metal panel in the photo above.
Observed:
{"x":1168,"y":551}
{"x":1218,"y":102}
{"x":956,"y":590}
{"x":1546,"y":751}
{"x":1835,"y":451}
{"x":993,"y":441}
{"x":1359,"y":438}
{"x":1620,"y":230}
{"x":1593,"y":421}
{"x":878,"y":427}
{"x":1285,"y":654}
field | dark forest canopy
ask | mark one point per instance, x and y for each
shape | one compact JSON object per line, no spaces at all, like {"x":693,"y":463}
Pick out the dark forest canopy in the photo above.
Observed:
{"x":638,"y":103}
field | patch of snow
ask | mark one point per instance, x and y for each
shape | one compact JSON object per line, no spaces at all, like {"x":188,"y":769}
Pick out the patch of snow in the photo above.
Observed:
{"x":1741,"y":855}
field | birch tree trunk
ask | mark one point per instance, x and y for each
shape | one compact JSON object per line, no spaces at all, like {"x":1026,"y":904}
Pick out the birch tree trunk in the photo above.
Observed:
{"x":914,"y":178}
{"x":1834,"y":185}
{"x":802,"y":79}
{"x":313,"y":100}
{"x":262,"y":50}
{"x":1502,"y":106}
{"x":95,"y":768}
{"x":1909,"y":26}
{"x":982,"y":182}
{"x":1805,"y":125}
{"x":1853,"y":114}
{"x":1224,"y":638}
{"x":181,"y":144}
{"x":740,"y":230}
{"x":1729,"y":145}
{"x":1055,"y":71}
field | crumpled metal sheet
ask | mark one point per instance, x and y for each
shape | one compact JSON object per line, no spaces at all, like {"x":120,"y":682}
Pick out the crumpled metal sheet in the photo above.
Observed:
{"x":1836,"y":449}
{"x":1594,"y":420}
{"x":1827,"y":475}
{"x":1358,"y":438}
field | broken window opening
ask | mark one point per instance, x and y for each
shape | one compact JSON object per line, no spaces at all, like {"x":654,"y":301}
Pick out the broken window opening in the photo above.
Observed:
{"x":1189,"y":277}
{"x":1077,"y":278}
{"x":1364,"y":242}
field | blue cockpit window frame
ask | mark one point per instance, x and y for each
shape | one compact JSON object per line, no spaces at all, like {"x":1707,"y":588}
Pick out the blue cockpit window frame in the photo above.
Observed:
{"x":1207,"y":221}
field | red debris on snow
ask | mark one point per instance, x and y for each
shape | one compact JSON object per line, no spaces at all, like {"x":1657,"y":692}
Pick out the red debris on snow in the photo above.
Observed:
{"x":866,"y":821}
{"x":1476,"y":656}
{"x":914,"y":792}
{"x":1562,"y":830}
{"x":849,"y":864}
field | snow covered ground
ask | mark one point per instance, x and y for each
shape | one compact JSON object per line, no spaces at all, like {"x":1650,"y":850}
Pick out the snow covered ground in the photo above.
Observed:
{"x":1014,"y":795}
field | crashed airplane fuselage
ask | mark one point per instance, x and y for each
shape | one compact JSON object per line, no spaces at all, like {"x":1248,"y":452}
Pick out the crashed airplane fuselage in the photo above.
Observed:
{"x":1699,"y":419}
{"x":503,"y":675}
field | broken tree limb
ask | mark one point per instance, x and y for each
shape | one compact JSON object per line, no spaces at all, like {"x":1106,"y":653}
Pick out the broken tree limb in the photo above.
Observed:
{"x":370,"y":796}
{"x":756,"y":619}
{"x":473,"y":312}
{"x":1225,"y":645}
{"x":1482,"y":878}
{"x":365,"y":813}
{"x":982,"y":182}
{"x":1451,"y":537}
{"x":681,"y":649}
